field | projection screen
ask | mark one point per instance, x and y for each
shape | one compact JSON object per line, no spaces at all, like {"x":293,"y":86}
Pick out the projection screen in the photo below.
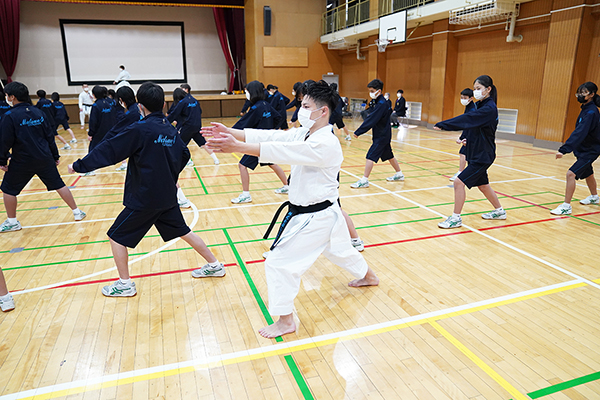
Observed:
{"x":149,"y":50}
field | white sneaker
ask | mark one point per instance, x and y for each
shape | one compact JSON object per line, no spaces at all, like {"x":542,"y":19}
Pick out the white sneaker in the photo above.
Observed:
{"x":242,"y":198}
{"x":590,"y":200}
{"x":206,"y":271}
{"x":217,"y":162}
{"x":453,"y":177}
{"x":73,"y":141}
{"x":563,"y":209}
{"x":398,"y":176}
{"x":92,"y":173}
{"x":121,"y":167}
{"x":451,"y":222}
{"x":8,"y":227}
{"x":7,"y":303}
{"x":494,"y":215}
{"x":360,"y":184}
{"x":190,"y":163}
{"x":358,"y":244}
{"x":79,"y":215}
{"x":282,"y":190}
{"x":266,"y":254}
{"x":185,"y":204}
{"x":117,"y":289}
{"x":66,"y":147}
{"x":348,"y":137}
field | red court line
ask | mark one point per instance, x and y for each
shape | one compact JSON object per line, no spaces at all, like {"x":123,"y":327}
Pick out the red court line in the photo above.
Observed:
{"x":524,"y":201}
{"x":76,"y":180}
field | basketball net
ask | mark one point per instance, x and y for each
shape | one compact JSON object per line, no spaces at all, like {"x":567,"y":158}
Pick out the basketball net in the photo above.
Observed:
{"x":381,"y":44}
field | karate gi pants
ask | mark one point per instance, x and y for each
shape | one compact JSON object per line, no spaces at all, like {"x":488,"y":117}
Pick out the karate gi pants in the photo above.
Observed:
{"x":306,"y":237}
{"x":86,"y":111}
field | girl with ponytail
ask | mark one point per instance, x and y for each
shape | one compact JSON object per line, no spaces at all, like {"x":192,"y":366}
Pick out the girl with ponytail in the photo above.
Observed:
{"x":584,"y":142}
{"x":479,"y":126}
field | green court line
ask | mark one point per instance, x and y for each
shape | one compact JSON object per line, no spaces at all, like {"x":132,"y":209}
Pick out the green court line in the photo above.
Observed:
{"x":564,"y":385}
{"x":200,"y":179}
{"x":299,"y":378}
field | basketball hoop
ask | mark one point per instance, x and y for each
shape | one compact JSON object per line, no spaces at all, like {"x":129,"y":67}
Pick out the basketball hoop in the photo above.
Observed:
{"x":382,"y":44}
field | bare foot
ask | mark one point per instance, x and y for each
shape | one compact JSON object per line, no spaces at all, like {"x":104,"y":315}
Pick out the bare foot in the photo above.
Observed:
{"x":279,"y":328}
{"x":370,"y":279}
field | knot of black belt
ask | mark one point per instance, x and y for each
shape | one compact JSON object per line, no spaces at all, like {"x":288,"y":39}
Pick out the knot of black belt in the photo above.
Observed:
{"x":292,"y":210}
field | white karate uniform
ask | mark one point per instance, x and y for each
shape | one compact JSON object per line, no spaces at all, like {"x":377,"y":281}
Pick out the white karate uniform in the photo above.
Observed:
{"x":122,"y":79}
{"x":315,"y":164}
{"x":85,"y":105}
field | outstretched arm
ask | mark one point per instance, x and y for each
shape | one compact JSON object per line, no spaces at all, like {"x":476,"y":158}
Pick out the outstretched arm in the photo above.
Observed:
{"x":217,"y":128}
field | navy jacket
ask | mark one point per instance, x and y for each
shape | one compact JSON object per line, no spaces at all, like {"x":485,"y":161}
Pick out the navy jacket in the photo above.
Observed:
{"x":60,"y":113}
{"x":4,"y":107}
{"x":46,"y":106}
{"x":246,"y":106}
{"x":480,"y":126}
{"x":378,"y":119}
{"x":584,"y":142}
{"x":468,"y":107}
{"x":102,"y":118}
{"x":400,"y":107}
{"x":26,"y":130}
{"x":156,"y":157}
{"x":294,"y":103}
{"x":260,"y":116}
{"x":119,"y":110}
{"x":188,"y":115}
{"x":131,"y":116}
{"x":279,"y":102}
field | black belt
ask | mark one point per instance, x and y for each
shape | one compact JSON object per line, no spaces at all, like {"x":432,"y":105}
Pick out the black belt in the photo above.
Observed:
{"x":88,"y":105}
{"x":292,"y":210}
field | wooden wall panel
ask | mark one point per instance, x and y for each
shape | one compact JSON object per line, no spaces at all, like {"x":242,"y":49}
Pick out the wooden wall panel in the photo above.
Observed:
{"x":285,"y":57}
{"x":354,"y":77}
{"x":593,"y":67}
{"x":516,"y":68}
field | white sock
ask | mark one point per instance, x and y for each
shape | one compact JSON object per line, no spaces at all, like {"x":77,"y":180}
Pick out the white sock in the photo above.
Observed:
{"x":595,"y":196}
{"x":500,"y":209}
{"x":216,"y":264}
{"x":76,"y":211}
{"x":214,"y":157}
{"x":124,"y":164}
{"x":246,"y":193}
{"x":364,"y":178}
{"x":398,"y":173}
{"x":12,"y":221}
{"x":454,"y":215}
{"x":355,"y":240}
{"x":286,"y":186}
{"x":180,"y":196}
{"x":5,"y":297}
{"x":126,"y":282}
{"x":567,"y":204}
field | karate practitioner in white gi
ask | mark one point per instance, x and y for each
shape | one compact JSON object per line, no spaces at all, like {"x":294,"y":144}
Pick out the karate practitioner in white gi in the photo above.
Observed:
{"x":315,"y":156}
{"x":122,"y":78}
{"x":86,"y":101}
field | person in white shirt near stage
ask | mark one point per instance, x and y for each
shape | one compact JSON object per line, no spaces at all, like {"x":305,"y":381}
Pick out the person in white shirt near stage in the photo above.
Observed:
{"x":86,"y":100}
{"x":122,"y":79}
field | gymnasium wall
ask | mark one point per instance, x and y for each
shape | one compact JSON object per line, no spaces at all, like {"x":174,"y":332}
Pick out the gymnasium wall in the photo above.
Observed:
{"x":41,"y":62}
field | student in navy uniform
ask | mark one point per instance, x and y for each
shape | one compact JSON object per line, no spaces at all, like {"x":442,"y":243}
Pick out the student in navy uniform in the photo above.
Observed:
{"x":102,"y":118}
{"x":296,"y":103}
{"x":126,"y":99}
{"x":480,"y":133}
{"x":399,"y":108}
{"x":466,"y":99}
{"x":4,"y":106}
{"x":156,"y":157}
{"x":259,"y":116}
{"x":27,"y":132}
{"x":46,"y":106}
{"x":336,"y":115}
{"x":378,"y":120}
{"x":279,"y":102}
{"x":60,"y":115}
{"x":119,"y":110}
{"x":584,"y":142}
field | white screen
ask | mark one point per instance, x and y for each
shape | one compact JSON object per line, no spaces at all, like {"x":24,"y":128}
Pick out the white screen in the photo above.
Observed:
{"x":148,"y":52}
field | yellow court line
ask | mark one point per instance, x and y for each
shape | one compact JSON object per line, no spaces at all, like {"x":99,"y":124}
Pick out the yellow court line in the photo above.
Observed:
{"x":479,"y":362}
{"x":236,"y":156}
{"x":255,"y":354}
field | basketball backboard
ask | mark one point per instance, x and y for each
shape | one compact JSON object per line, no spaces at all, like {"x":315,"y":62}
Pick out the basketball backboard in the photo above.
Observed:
{"x":393,"y":27}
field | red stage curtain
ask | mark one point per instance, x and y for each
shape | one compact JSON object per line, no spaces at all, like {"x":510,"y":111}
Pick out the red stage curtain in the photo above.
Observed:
{"x":230,"y":28}
{"x":9,"y":34}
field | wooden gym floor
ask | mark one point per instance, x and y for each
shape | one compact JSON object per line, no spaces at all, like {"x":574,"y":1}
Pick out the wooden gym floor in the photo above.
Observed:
{"x":492,"y":310}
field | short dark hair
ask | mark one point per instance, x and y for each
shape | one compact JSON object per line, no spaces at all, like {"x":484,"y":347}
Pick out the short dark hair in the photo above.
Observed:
{"x":41,"y":94}
{"x":323,"y":95}
{"x":305,"y":85}
{"x":487,"y":81}
{"x":186,"y":86}
{"x":400,"y":91}
{"x":112,"y":93}
{"x":376,"y":84}
{"x":126,"y":94}
{"x":334,"y":86}
{"x":256,"y":90}
{"x":269,"y":87}
{"x":55,"y":96}
{"x":151,"y":96}
{"x":99,"y":92}
{"x":298,"y":89}
{"x":178,"y":95}
{"x":122,"y":66}
{"x":467,"y":92}
{"x":19,"y":90}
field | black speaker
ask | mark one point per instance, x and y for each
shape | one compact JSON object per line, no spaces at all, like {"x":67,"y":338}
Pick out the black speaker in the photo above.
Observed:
{"x":267,"y":20}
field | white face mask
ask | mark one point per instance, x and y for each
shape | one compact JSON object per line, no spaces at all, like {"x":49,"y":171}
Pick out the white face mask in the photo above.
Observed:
{"x":399,"y":95}
{"x":478,"y":94}
{"x":293,"y":93}
{"x":86,"y":89}
{"x":464,"y":102}
{"x":374,"y":95}
{"x":248,"y":96}
{"x":10,"y":103}
{"x":304,"y":117}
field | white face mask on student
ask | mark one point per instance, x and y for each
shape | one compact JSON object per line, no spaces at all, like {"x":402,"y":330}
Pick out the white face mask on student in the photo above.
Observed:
{"x":304,"y":117}
{"x":478,"y":94}
{"x":374,"y":95}
{"x":464,"y":102}
{"x":248,"y":96}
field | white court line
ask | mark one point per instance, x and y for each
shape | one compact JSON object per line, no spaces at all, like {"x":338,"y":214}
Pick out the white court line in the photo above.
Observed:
{"x":523,"y":252}
{"x":207,"y":362}
{"x":140,"y":258}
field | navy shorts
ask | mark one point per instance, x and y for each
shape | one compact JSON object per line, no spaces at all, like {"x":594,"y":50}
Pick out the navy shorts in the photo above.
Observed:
{"x":337,"y":120}
{"x":65,"y":124}
{"x":17,"y":177}
{"x":380,"y":149}
{"x":197,"y":136}
{"x":475,"y":175}
{"x":583,"y":168}
{"x":463,"y":150}
{"x":131,"y":226}
{"x":251,"y":162}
